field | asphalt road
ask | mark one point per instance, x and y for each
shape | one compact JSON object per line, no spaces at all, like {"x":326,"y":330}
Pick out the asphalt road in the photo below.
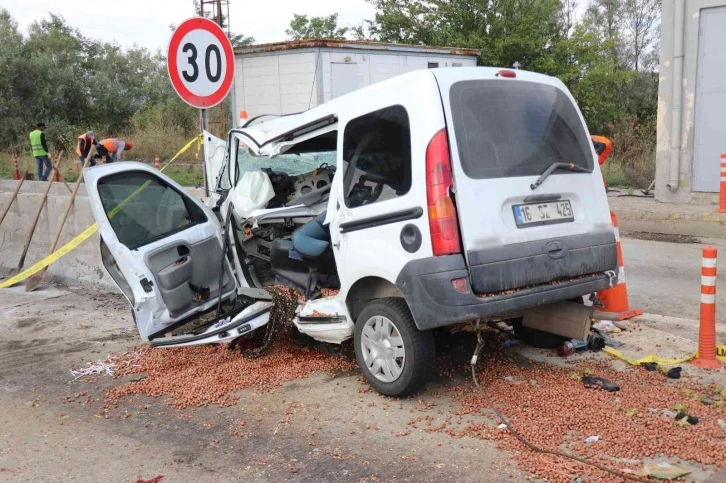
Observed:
{"x":665,"y":278}
{"x":48,"y":432}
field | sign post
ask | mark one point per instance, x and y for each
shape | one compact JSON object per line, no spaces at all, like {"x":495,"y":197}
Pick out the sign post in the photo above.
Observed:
{"x":200,"y":61}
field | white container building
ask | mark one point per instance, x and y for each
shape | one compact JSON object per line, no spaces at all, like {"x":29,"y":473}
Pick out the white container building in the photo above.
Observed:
{"x":289,"y":77}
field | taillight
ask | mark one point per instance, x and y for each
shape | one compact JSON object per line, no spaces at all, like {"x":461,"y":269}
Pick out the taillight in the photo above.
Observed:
{"x":507,"y":73}
{"x":443,"y":224}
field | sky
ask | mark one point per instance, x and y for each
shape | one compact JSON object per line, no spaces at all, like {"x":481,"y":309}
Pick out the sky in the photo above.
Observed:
{"x":146,"y":22}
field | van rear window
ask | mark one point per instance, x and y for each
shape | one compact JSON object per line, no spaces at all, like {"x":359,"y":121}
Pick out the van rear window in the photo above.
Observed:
{"x":508,"y":128}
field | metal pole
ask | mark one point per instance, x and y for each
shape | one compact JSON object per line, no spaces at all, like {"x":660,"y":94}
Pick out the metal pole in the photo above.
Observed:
{"x":202,"y":127}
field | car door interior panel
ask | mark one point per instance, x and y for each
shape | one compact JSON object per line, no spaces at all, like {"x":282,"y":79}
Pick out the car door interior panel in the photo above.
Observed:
{"x":188,"y":274}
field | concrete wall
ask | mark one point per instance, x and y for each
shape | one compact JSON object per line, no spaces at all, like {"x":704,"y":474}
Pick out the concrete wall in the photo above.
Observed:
{"x":665,"y":105}
{"x":83,"y":265}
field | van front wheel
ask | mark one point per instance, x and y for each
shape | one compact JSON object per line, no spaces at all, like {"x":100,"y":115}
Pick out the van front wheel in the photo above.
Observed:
{"x":393,"y":354}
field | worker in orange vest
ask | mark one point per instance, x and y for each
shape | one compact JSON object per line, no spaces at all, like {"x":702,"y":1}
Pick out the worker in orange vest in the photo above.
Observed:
{"x":603,"y":147}
{"x":113,"y":148}
{"x":85,"y":141}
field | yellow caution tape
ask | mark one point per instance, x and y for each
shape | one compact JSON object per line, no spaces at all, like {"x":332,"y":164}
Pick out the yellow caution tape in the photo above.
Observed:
{"x":88,"y":232}
{"x":720,"y":354}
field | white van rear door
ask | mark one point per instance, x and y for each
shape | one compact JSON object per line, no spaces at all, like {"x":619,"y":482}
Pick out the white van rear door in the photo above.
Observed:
{"x":504,"y":133}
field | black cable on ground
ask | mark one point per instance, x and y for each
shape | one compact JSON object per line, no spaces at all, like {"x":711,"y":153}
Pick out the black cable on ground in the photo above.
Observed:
{"x":536,"y":449}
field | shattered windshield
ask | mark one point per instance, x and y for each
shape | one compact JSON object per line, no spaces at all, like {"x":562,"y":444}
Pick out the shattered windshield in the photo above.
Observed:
{"x":290,"y":164}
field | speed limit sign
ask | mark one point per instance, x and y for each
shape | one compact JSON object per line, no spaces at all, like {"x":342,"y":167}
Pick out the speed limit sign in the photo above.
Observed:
{"x":200,"y":62}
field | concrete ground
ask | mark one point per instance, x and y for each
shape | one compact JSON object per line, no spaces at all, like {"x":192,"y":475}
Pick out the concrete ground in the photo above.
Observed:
{"x":50,"y":430}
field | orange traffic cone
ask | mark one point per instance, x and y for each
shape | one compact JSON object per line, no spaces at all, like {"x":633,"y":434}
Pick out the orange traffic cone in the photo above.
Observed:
{"x":242,"y":117}
{"x":615,"y":299}
{"x":707,"y":331}
{"x":157,"y":164}
{"x":16,"y":170}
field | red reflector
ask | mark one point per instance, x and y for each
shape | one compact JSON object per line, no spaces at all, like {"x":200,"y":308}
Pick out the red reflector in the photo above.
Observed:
{"x":443,"y":224}
{"x":507,"y":73}
{"x":460,"y":285}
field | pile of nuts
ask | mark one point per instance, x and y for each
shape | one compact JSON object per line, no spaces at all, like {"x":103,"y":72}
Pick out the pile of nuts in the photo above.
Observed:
{"x":200,"y":376}
{"x":552,"y":409}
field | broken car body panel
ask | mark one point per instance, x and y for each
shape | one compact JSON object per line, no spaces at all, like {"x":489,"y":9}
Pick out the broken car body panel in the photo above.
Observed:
{"x":162,"y":241}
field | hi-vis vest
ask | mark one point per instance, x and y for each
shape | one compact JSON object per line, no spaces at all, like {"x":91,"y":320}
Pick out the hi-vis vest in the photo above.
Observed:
{"x":109,"y":144}
{"x":86,"y":146}
{"x":603,"y":147}
{"x":36,"y":144}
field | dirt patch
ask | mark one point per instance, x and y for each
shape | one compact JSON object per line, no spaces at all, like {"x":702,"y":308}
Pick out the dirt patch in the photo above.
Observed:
{"x":36,"y":324}
{"x":662,"y":237}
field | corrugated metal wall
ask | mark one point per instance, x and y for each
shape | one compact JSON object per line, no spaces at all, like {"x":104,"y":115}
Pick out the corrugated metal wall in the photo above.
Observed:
{"x":286,"y":82}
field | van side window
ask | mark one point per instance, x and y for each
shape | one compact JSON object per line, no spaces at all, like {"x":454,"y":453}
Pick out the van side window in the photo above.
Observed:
{"x":377,"y":157}
{"x":142,"y":208}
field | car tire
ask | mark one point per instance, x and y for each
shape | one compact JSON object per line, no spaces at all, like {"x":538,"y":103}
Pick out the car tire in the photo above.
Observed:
{"x":378,"y":349}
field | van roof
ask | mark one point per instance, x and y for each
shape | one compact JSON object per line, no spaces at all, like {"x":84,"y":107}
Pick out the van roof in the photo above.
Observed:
{"x":278,"y":126}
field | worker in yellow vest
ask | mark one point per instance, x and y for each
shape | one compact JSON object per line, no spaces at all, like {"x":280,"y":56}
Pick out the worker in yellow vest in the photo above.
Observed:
{"x":40,"y":151}
{"x":113,"y":148}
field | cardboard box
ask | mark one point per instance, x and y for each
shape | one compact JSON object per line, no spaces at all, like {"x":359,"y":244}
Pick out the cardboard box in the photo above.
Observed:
{"x":568,"y":319}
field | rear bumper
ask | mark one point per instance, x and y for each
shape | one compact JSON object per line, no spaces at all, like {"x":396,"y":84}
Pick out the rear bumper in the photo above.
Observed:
{"x":537,"y":262}
{"x":426,"y":285}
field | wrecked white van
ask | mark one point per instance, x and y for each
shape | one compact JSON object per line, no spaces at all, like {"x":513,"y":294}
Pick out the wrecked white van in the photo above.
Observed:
{"x":432,"y":199}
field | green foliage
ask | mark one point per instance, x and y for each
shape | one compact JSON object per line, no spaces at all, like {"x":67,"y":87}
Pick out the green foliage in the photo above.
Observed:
{"x":74,"y":84}
{"x":303,"y":27}
{"x":607,"y":59}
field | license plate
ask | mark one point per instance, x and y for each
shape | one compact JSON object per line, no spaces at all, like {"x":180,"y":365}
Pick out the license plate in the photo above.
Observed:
{"x":536,"y":214}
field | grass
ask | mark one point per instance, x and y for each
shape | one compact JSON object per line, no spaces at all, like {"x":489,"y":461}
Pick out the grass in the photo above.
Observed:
{"x":614,"y":176}
{"x":184,"y":174}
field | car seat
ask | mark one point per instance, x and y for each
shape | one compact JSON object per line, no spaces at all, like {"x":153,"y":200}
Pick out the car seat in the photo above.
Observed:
{"x":306,"y":261}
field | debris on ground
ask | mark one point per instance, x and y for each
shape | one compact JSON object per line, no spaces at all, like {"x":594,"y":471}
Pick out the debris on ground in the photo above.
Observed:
{"x":156,"y":479}
{"x":110,"y":365}
{"x":561,"y":413}
{"x":592,"y":439}
{"x":681,"y":416}
{"x":209,"y":375}
{"x":664,"y":471}
{"x":606,"y":326}
{"x":592,"y":382}
{"x":674,"y":373}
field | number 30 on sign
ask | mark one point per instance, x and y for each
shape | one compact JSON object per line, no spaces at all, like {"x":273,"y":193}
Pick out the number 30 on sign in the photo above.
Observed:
{"x":200,"y":62}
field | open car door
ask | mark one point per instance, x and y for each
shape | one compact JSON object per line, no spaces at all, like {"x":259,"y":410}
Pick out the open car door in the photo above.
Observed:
{"x":164,"y":250}
{"x":215,"y":152}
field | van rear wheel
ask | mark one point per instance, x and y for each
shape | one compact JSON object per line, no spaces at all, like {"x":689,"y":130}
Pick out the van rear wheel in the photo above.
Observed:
{"x":393,"y":354}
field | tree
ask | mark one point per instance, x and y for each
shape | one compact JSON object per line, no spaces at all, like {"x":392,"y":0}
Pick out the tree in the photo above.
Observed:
{"x":302,"y":27}
{"x":607,"y":18}
{"x":642,"y":22}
